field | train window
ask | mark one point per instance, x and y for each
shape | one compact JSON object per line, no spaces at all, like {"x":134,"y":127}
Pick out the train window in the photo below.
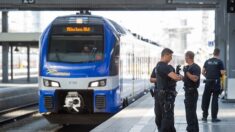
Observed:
{"x":129,"y":63}
{"x":75,"y":48}
{"x":118,"y":27}
{"x":115,"y":60}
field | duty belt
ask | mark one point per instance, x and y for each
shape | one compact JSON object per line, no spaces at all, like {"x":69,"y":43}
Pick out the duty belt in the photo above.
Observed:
{"x":168,"y":92}
{"x":211,"y":80}
{"x":190,"y":88}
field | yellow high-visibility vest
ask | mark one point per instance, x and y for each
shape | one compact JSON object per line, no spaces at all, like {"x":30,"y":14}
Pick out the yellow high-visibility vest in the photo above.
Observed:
{"x":222,"y":81}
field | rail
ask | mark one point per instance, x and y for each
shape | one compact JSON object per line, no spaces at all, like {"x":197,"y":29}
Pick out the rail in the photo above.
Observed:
{"x":17,"y":113}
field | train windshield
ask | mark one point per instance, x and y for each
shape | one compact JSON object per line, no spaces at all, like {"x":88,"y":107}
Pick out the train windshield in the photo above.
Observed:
{"x":76,"y":46}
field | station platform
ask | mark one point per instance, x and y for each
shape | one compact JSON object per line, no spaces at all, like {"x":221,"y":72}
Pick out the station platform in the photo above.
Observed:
{"x":139,"y":116}
{"x":18,"y":92}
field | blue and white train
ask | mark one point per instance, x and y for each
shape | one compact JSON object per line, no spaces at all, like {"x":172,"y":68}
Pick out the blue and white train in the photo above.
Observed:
{"x":90,"y":67}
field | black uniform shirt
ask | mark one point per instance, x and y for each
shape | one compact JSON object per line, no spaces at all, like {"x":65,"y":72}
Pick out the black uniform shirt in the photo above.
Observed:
{"x":162,"y":75}
{"x":213,"y":67}
{"x":172,"y":83}
{"x":153,"y":75}
{"x":193,"y":69}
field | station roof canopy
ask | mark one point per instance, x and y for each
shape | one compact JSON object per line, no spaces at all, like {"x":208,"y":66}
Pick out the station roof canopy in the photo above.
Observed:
{"x":20,"y":39}
{"x":104,"y":4}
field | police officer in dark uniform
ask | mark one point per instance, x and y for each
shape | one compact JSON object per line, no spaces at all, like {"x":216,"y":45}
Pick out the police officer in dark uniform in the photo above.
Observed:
{"x":166,"y":93}
{"x":157,"y":111}
{"x":191,"y":82}
{"x":212,"y":70}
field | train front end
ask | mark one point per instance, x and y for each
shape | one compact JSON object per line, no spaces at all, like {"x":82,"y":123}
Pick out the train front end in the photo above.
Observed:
{"x":76,"y":82}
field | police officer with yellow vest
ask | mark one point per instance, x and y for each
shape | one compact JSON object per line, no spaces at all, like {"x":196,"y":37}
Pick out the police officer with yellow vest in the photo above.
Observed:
{"x":213,"y":69}
{"x":191,"y":82}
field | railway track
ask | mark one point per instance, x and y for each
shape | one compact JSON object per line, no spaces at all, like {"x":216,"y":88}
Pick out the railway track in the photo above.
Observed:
{"x":17,"y":113}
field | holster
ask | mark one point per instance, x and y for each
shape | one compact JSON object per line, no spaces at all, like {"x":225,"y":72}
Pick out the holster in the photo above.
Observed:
{"x":152,"y":92}
{"x":168,"y":106}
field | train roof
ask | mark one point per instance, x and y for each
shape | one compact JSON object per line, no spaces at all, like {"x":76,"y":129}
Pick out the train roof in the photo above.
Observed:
{"x":71,"y":19}
{"x":94,"y":19}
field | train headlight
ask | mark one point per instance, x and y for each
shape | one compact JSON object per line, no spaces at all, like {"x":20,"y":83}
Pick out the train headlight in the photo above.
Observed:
{"x":94,"y":84}
{"x":50,"y":83}
{"x":98,"y":83}
{"x":55,"y":84}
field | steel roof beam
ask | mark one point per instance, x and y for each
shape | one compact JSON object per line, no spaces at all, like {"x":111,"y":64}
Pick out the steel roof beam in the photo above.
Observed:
{"x":104,"y":4}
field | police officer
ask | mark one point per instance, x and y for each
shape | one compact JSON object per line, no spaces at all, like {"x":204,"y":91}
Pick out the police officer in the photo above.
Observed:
{"x":157,"y":111}
{"x":191,"y":82}
{"x":165,"y":95}
{"x":213,"y":68}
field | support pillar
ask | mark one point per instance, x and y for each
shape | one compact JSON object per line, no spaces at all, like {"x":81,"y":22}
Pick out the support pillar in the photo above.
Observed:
{"x":230,"y":56}
{"x":28,"y":62}
{"x":12,"y":74}
{"x":225,"y":40}
{"x":5,"y":48}
{"x":221,"y":32}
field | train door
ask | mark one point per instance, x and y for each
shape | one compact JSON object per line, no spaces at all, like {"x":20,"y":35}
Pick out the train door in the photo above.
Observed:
{"x":126,"y":70}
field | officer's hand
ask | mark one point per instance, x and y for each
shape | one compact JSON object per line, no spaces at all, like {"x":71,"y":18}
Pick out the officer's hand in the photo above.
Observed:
{"x":185,"y":69}
{"x":180,"y":77}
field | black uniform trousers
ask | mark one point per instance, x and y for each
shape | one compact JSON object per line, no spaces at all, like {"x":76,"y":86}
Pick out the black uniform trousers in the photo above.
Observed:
{"x":211,"y":88}
{"x":157,"y":109}
{"x":164,"y":111}
{"x":191,"y":97}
